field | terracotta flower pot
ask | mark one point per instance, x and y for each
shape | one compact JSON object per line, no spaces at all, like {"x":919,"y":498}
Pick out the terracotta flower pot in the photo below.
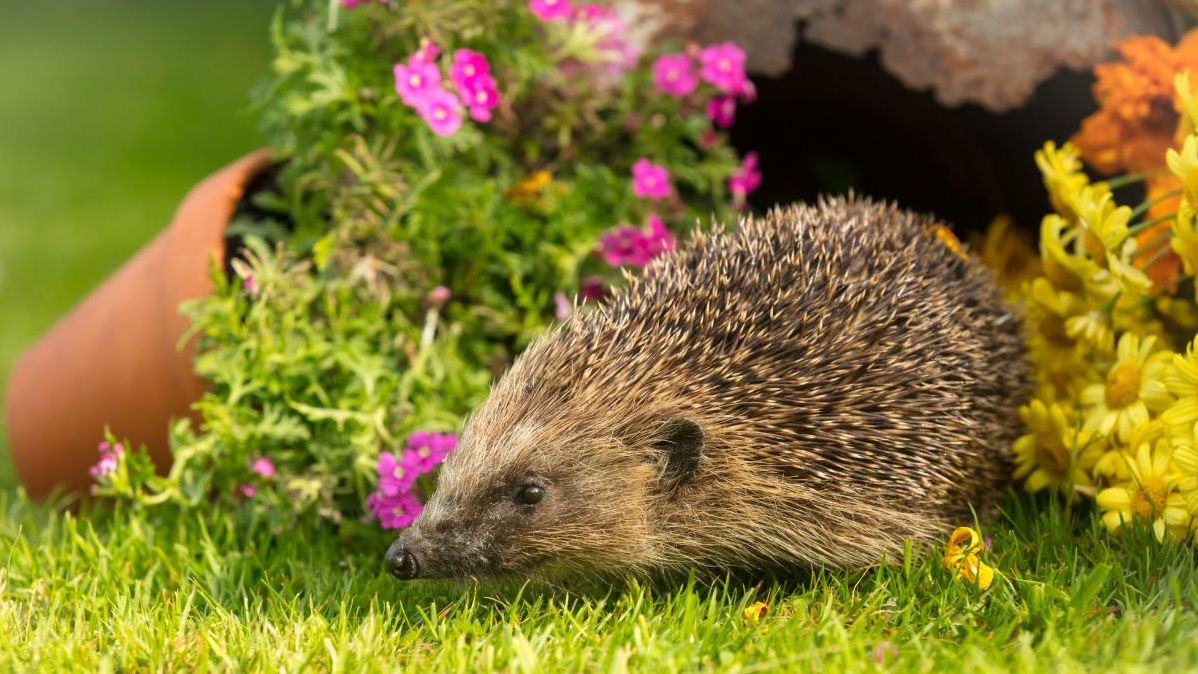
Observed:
{"x":115,"y":359}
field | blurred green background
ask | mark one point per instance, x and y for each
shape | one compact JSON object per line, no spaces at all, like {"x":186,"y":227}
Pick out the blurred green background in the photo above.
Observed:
{"x":109,"y":112}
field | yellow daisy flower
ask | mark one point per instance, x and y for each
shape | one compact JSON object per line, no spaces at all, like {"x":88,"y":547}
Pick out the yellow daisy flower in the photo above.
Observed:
{"x":1007,"y":251}
{"x":1048,"y":313}
{"x":1149,"y":495}
{"x":1133,"y":387}
{"x":1056,"y":452}
{"x":1181,"y":378}
{"x":1132,"y":280}
{"x":1112,"y":466}
{"x":1184,"y":165}
{"x":1188,"y":103}
{"x":1066,"y":270}
{"x":1061,"y":169}
{"x":1093,"y":329}
{"x":1104,"y":223}
{"x":1184,"y":241}
{"x":1185,"y":462}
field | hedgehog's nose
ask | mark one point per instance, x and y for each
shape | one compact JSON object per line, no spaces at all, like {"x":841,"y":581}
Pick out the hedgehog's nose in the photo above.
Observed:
{"x":401,"y":562}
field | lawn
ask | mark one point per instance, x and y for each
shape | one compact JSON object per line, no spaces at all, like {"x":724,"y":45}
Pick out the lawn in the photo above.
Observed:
{"x":109,"y":114}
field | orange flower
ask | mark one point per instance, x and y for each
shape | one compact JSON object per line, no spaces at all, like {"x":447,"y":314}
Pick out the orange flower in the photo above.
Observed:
{"x":1138,"y":114}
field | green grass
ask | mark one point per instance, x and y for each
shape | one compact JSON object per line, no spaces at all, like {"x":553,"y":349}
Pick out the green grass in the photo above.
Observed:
{"x":110,"y":112}
{"x":187,"y":593}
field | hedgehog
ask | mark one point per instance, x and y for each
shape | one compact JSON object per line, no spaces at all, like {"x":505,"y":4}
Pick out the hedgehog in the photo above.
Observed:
{"x":814,"y":389}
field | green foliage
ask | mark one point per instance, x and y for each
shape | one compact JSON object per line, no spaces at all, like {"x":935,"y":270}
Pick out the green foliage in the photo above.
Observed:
{"x":330,"y":338}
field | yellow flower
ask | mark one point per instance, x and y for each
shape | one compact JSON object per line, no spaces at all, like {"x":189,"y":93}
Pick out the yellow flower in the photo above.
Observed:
{"x":1186,"y":102}
{"x":1185,"y":237}
{"x":1056,"y":452}
{"x":754,"y":612}
{"x":530,"y":188}
{"x":1133,"y":387}
{"x":1182,"y":381}
{"x":1184,"y":165}
{"x":1008,"y":251}
{"x":1150,"y":494}
{"x":1104,"y":223}
{"x":1185,"y":461}
{"x":1061,"y":169}
{"x":1132,"y":280}
{"x":964,"y":559}
{"x":1092,"y":328}
{"x":1049,"y":311}
{"x":1066,"y":270}
{"x":1112,"y":466}
{"x":1180,"y":313}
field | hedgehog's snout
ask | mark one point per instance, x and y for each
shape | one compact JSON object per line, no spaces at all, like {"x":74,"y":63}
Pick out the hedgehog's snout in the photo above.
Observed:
{"x":402,"y":562}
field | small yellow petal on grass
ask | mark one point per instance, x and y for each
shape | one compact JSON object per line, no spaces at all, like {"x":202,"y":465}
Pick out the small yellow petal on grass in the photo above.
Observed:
{"x":962,"y":556}
{"x":754,"y":612}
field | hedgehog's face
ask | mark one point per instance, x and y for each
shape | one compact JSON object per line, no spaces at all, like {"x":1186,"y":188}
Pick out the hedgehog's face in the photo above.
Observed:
{"x":539,"y":500}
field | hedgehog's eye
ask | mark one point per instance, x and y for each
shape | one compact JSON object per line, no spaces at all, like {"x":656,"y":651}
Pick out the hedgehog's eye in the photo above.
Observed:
{"x":530,"y":494}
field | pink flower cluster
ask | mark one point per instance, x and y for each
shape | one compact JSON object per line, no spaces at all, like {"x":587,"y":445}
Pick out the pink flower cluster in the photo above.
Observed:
{"x":649,"y":180}
{"x":394,"y":503}
{"x":263,"y":468}
{"x":628,"y":245}
{"x":591,"y":289}
{"x":109,"y":457}
{"x":745,"y":180}
{"x":418,"y":82}
{"x":720,"y":65}
{"x":603,"y":26}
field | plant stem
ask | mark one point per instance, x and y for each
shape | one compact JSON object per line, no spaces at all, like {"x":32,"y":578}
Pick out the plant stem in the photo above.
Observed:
{"x":1127,"y":179}
{"x":1152,"y":245}
{"x":1142,"y":208}
{"x":1141,"y":226}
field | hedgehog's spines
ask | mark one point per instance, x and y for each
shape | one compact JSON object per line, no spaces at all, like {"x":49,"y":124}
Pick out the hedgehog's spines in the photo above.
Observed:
{"x":856,"y":380}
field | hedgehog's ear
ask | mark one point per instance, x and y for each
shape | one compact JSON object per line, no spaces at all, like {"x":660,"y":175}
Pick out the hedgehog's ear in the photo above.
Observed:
{"x":680,"y":442}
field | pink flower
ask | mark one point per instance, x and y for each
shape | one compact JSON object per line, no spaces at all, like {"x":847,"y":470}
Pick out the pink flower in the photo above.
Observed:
{"x":471,"y":76}
{"x":427,"y":52}
{"x":106,"y":465}
{"x":562,"y":307}
{"x":425,"y":450}
{"x":592,"y":288}
{"x":109,"y":459}
{"x":250,"y":284}
{"x":722,"y":111}
{"x":350,"y":4}
{"x":394,"y":478}
{"x":627,"y":245}
{"x":618,"y":53}
{"x":723,"y":65}
{"x":550,"y":10}
{"x":746,"y":179}
{"x":481,"y":96}
{"x":417,"y":81}
{"x":467,"y":65}
{"x":650,"y":180}
{"x":394,"y":512}
{"x":442,"y":111}
{"x":264,"y":468}
{"x":438,"y":297}
{"x":674,"y":74}
{"x":248,"y":490}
